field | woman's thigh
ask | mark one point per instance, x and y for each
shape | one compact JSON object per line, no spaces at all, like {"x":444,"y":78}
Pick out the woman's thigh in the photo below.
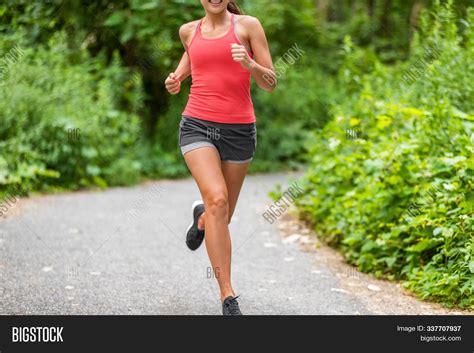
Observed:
{"x":205,"y":166}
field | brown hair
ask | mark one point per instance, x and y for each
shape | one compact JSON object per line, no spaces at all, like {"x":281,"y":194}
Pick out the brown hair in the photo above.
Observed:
{"x":234,"y":8}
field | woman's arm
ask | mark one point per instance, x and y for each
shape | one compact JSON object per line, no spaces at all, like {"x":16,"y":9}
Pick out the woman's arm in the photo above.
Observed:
{"x":186,"y":31}
{"x":183,"y":71}
{"x":262,"y":67}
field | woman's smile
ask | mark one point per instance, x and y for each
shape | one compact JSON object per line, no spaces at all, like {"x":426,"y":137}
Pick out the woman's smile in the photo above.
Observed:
{"x":215,"y":3}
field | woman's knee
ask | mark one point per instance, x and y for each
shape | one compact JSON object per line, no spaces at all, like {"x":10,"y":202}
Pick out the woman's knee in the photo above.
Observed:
{"x":217,"y":203}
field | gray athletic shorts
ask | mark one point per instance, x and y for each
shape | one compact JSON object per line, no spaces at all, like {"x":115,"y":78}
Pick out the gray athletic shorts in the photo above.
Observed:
{"x":235,"y":143}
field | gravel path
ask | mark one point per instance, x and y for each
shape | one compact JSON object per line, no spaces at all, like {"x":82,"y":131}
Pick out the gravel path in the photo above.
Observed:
{"x":122,"y":251}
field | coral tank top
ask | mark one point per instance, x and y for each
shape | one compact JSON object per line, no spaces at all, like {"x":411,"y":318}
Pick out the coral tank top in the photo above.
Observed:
{"x":220,"y":90}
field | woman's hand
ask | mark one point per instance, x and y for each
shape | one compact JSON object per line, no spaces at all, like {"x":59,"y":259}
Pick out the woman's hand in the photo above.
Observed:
{"x":240,"y":55}
{"x":173,"y":84}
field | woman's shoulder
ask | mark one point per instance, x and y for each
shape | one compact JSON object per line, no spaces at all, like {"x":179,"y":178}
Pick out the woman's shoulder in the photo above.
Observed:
{"x":187,"y":29}
{"x":247,"y":21}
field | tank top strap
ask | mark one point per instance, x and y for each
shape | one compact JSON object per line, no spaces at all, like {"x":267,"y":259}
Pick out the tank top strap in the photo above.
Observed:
{"x":232,"y":23}
{"x":195,"y":34}
{"x":198,"y":27}
{"x":234,"y":31}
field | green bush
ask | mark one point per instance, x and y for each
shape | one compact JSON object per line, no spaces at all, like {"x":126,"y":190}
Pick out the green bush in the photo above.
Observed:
{"x":391,"y":177}
{"x":60,"y":125}
{"x":302,"y":102}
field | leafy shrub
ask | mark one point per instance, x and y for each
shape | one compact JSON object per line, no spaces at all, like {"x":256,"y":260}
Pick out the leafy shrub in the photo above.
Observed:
{"x":302,"y":102}
{"x":389,"y":147}
{"x":60,"y":125}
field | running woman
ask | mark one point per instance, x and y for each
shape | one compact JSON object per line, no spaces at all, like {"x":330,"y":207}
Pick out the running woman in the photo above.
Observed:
{"x":217,"y":133}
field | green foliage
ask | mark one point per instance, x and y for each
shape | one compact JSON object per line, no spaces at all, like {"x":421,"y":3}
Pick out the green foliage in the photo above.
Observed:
{"x":368,"y":195}
{"x":138,"y":42}
{"x":145,"y":34}
{"x":59,"y":122}
{"x":287,"y":115}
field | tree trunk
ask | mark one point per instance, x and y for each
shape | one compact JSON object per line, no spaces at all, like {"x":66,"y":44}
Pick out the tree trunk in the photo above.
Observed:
{"x":414,"y":16}
{"x":384,"y":19}
{"x":371,"y":8}
{"x":322,"y":9}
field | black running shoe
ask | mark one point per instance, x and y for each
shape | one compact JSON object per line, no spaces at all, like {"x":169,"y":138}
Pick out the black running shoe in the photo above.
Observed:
{"x":195,"y":236}
{"x":231,"y":307}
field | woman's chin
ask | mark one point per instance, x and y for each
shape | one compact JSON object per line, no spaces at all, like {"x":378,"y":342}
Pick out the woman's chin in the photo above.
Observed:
{"x":215,"y":9}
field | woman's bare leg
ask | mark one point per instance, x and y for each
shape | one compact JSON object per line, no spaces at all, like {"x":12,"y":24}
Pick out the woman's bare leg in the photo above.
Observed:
{"x":205,"y":166}
{"x":234,"y":175}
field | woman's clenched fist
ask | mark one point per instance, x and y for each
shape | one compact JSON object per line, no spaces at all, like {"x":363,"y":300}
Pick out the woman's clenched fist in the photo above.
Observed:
{"x":173,"y":84}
